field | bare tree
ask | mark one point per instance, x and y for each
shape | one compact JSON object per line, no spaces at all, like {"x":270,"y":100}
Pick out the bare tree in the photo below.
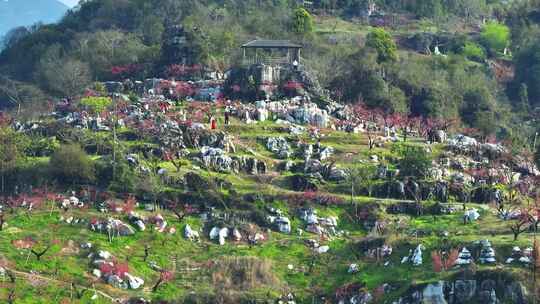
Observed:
{"x":68,"y":76}
{"x":11,"y":296}
{"x":10,"y":89}
{"x":2,"y":220}
{"x":39,"y":254}
{"x":146,"y":252}
{"x":79,"y":293}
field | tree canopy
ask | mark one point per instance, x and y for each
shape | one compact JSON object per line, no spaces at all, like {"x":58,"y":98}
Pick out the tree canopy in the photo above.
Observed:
{"x":383,"y":43}
{"x":71,"y":165}
{"x":495,"y":36}
{"x":302,"y":21}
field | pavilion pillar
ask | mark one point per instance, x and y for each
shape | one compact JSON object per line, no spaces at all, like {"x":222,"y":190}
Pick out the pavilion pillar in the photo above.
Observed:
{"x":289,"y":55}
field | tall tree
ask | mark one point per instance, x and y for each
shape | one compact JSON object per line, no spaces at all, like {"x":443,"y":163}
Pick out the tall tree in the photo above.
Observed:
{"x":12,"y":146}
{"x":302,"y":22}
{"x":537,"y":155}
{"x":63,"y":75}
{"x":383,"y":43}
{"x":495,"y":37}
{"x":71,"y":164}
{"x":17,"y":94}
{"x":528,"y":71}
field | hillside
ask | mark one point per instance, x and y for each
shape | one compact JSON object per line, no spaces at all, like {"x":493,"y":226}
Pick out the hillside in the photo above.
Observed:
{"x":14,"y":13}
{"x":261,"y":151}
{"x":260,"y":210}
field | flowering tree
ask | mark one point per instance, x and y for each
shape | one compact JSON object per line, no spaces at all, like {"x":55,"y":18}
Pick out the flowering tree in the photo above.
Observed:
{"x":5,"y":119}
{"x":184,"y":89}
{"x":443,"y":261}
{"x":129,"y":204}
{"x":428,"y":126}
{"x":31,"y":201}
{"x":25,"y":243}
{"x":123,"y":71}
{"x":371,"y":118}
{"x":348,"y":290}
{"x":114,"y":268}
{"x":174,"y":157}
{"x":164,"y":276}
{"x":523,"y":222}
{"x":182,"y":70}
{"x":181,"y":210}
{"x":292,"y":87}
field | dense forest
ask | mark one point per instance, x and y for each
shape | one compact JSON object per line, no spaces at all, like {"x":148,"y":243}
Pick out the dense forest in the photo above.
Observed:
{"x":483,"y":44}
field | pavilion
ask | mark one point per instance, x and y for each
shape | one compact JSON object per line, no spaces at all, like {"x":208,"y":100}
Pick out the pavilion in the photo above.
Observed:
{"x":271,"y":52}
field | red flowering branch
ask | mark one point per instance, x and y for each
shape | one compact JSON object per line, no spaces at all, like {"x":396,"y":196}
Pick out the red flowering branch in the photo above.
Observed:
{"x":164,"y":276}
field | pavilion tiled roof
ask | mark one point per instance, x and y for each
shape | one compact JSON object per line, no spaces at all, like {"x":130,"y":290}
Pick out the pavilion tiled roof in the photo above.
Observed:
{"x":271,"y":44}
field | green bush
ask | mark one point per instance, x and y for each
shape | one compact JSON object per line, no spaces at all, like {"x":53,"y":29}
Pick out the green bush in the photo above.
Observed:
{"x":495,"y":37}
{"x":383,"y":43}
{"x":70,"y":164}
{"x":302,"y":21}
{"x":41,"y":146}
{"x":414,"y":161}
{"x":473,"y":51}
{"x":96,"y":104}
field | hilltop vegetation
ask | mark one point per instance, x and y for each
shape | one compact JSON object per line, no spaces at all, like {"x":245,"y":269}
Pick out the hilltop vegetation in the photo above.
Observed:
{"x":110,"y":40}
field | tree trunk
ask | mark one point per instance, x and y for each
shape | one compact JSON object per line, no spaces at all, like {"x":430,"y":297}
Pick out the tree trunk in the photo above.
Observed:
{"x":146,"y":253}
{"x":156,"y":286}
{"x":352,"y":193}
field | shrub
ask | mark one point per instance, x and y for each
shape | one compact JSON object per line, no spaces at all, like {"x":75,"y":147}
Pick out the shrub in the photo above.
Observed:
{"x":495,"y":36}
{"x":473,"y":51}
{"x":302,"y":21}
{"x":96,"y":104}
{"x":315,"y":197}
{"x":414,"y":161}
{"x":70,"y":164}
{"x":124,"y":181}
{"x":381,"y":41}
{"x":40,"y":146}
{"x":244,"y":273}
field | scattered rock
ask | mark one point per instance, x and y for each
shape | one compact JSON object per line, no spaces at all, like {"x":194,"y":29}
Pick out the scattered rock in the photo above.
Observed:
{"x":191,"y":234}
{"x":133,"y":281}
{"x":353,"y":268}
{"x":464,"y":257}
{"x":487,"y":254}
{"x":279,"y":146}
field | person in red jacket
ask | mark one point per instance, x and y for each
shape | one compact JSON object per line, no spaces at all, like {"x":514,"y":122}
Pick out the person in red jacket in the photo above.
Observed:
{"x":213,"y":123}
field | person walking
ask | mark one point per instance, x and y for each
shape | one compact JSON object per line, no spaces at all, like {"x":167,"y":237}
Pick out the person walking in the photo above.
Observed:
{"x":227,"y":114}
